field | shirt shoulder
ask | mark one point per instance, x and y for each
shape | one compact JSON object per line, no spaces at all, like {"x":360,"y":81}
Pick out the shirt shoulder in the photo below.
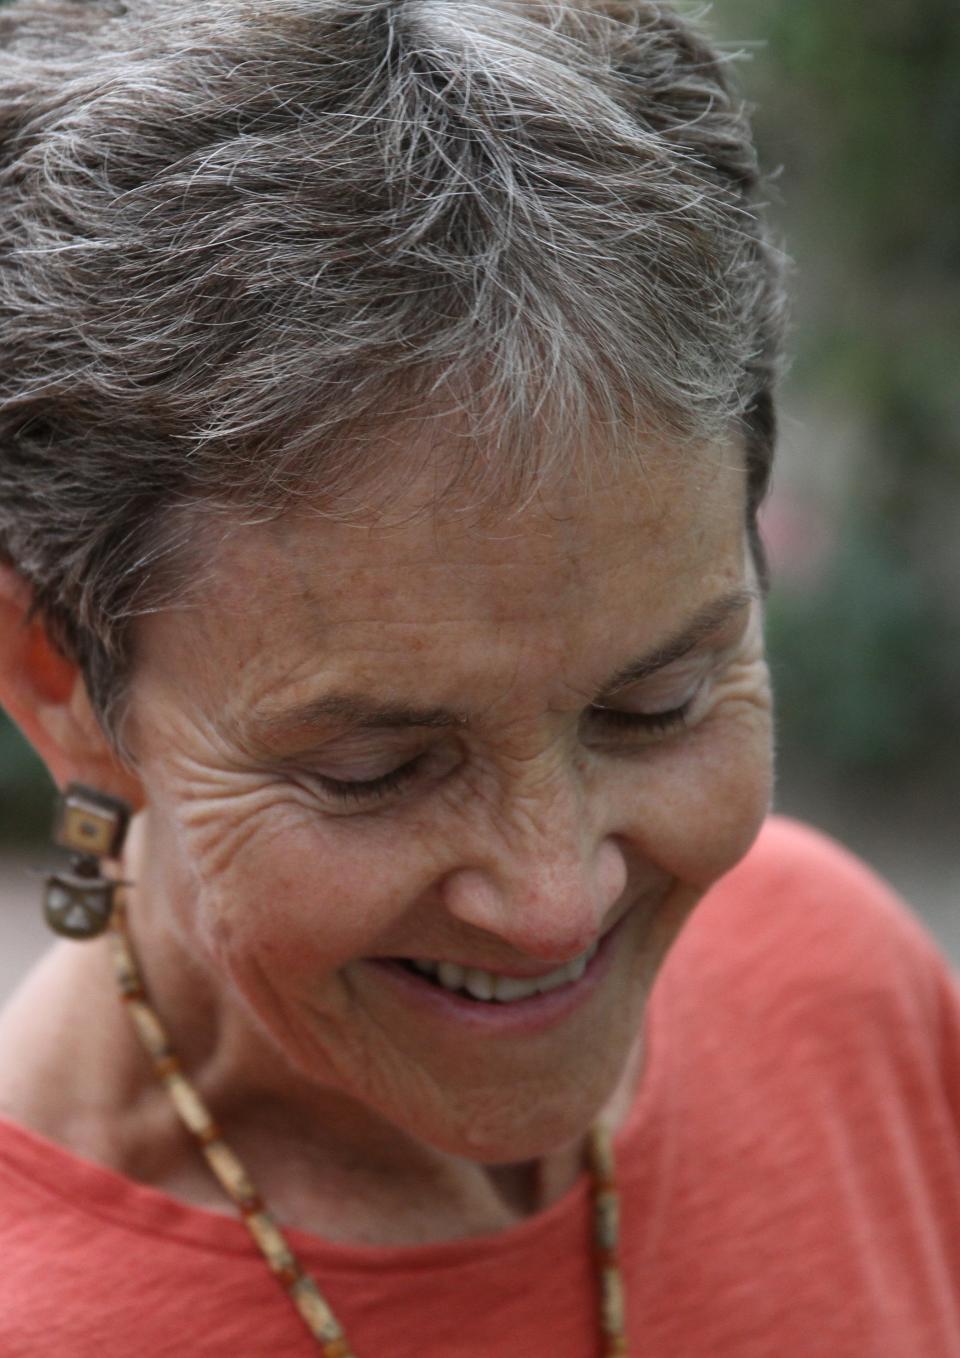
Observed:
{"x":803,"y":942}
{"x":806,"y":905}
{"x":794,"y":1144}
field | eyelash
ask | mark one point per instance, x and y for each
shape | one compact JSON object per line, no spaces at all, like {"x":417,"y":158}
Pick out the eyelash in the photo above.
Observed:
{"x":656,"y":723}
{"x":376,"y":789}
{"x":371,"y":789}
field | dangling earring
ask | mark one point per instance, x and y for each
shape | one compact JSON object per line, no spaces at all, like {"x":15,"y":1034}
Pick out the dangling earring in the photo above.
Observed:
{"x":78,"y":901}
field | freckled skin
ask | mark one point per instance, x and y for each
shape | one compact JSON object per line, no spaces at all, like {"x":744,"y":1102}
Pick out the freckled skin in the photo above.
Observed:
{"x":522,"y":842}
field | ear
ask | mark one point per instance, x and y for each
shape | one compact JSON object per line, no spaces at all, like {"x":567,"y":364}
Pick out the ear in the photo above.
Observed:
{"x":46,"y":696}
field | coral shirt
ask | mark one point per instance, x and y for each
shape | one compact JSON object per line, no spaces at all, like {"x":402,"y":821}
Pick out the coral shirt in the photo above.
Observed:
{"x":790,"y":1178}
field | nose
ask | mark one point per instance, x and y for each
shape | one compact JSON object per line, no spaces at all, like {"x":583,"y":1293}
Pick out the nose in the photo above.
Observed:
{"x":542,"y":883}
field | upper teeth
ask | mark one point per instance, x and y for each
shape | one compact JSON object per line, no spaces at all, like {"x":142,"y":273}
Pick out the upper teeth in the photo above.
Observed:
{"x":487,"y":985}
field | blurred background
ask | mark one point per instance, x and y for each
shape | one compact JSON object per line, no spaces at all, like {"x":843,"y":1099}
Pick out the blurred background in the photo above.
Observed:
{"x":858,"y":116}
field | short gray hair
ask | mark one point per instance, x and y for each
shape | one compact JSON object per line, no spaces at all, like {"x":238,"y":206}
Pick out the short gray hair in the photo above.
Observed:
{"x":237,"y":238}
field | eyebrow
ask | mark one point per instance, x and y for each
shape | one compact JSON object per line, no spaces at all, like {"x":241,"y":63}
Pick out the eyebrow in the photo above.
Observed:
{"x":701,"y":627}
{"x":362,"y":713}
{"x":359,"y":712}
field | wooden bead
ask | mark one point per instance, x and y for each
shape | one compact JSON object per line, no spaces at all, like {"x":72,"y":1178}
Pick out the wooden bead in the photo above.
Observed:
{"x":273,"y":1247}
{"x":150,"y":1029}
{"x":337,"y":1348}
{"x":188,"y":1103}
{"x":125,"y":966}
{"x":611,"y":1301}
{"x":230,"y":1172}
{"x":321,"y":1321}
{"x":607,"y":1218}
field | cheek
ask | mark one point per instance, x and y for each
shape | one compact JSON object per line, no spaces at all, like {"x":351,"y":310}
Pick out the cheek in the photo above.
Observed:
{"x":698,"y":804}
{"x":278,"y":888}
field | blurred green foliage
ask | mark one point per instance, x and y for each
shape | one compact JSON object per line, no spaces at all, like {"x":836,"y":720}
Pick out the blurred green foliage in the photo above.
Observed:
{"x":863,"y":671}
{"x":26,"y":792}
{"x":858,"y":101}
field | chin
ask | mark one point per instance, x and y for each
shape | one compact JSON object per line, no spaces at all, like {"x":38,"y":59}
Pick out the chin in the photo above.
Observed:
{"x":517,"y":1122}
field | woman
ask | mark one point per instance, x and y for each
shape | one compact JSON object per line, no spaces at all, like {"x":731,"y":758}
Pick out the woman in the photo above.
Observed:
{"x":386,"y":406}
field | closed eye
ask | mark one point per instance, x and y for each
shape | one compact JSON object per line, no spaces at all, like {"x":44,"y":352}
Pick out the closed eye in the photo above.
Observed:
{"x":370,"y":789}
{"x":357,"y":791}
{"x":652,"y":723}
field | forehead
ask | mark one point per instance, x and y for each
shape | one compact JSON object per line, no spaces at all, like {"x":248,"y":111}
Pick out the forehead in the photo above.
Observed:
{"x":413,"y":589}
{"x":670,"y":504}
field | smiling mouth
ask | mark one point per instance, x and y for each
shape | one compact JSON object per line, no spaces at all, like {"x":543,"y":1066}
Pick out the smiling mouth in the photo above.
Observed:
{"x":489,"y":987}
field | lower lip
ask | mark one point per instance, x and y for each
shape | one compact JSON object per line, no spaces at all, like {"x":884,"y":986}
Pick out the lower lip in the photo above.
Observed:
{"x":529,"y":1015}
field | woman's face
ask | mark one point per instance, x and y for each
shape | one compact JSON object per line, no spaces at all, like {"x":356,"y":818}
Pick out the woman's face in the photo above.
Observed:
{"x":379,"y":758}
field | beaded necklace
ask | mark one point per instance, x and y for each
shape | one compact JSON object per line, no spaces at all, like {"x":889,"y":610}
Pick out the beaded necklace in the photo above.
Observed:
{"x":299,"y":1286}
